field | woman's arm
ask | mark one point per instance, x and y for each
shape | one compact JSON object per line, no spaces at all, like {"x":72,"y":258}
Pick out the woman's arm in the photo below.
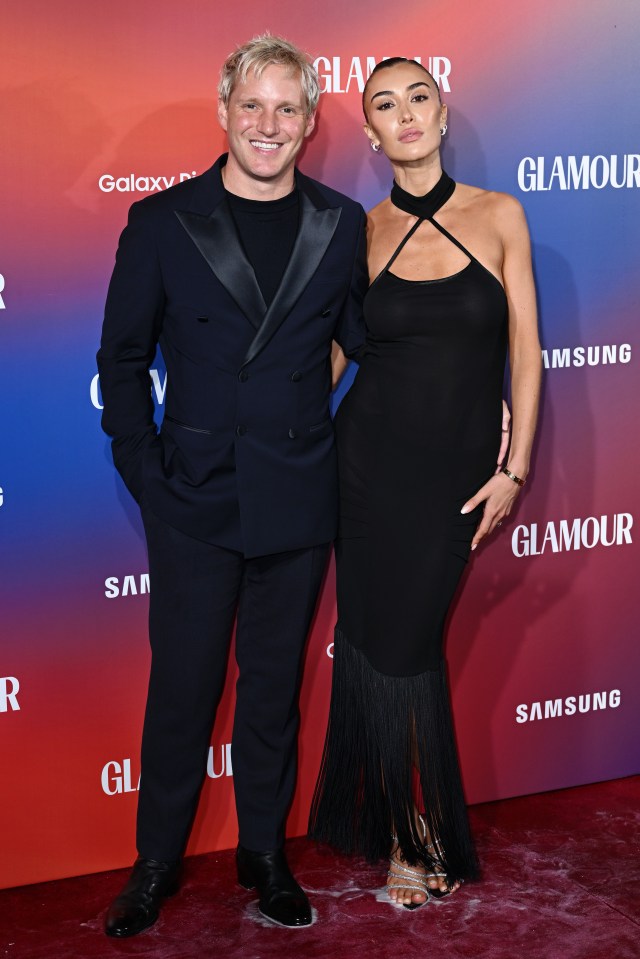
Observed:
{"x":525,"y":356}
{"x":525,"y":360}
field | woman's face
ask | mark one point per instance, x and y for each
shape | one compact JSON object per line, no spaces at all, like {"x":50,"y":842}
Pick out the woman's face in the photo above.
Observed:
{"x":404,"y":112}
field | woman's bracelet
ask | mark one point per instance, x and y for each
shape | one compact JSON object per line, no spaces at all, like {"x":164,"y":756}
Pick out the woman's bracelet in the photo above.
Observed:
{"x":513,"y":477}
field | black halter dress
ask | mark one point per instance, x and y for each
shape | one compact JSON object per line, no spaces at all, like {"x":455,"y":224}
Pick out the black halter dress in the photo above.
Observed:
{"x":418,"y":434}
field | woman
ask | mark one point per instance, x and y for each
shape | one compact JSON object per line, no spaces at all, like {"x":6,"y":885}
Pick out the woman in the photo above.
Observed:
{"x":418,"y":434}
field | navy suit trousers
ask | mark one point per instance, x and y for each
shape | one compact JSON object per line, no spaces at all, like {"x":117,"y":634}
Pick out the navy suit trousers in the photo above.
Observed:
{"x":196,"y":590}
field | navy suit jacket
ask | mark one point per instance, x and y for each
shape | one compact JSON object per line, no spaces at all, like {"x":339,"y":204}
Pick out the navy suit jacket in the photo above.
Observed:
{"x":245,"y":457}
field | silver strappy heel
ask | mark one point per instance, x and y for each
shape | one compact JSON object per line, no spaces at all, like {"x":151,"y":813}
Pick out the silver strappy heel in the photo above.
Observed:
{"x":435,"y":850}
{"x":409,"y":879}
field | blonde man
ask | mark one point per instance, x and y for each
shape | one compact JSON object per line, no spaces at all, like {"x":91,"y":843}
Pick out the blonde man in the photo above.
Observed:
{"x":244,"y":276}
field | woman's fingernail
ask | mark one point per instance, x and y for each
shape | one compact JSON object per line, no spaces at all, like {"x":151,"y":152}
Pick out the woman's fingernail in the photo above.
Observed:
{"x":465,"y":509}
{"x":474,"y":546}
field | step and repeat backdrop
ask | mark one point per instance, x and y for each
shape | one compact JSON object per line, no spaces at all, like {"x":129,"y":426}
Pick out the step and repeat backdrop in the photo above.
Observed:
{"x":103,"y":105}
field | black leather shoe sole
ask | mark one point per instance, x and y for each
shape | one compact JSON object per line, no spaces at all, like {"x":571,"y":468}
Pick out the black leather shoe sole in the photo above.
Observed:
{"x":125,"y":933}
{"x":298,"y":923}
{"x":281,"y":900}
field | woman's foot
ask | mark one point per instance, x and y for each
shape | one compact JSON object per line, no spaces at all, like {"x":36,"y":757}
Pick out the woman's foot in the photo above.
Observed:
{"x":406,"y":885}
{"x":411,"y":886}
{"x":439,"y":885}
{"x":437,"y":882}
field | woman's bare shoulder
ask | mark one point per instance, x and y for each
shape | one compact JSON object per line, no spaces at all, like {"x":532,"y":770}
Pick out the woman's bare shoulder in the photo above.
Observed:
{"x":490,"y":199}
{"x":503,"y":209}
{"x":380,"y":219}
{"x":380,"y":212}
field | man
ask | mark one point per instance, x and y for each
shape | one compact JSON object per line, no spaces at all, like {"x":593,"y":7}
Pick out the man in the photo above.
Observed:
{"x":244,"y":276}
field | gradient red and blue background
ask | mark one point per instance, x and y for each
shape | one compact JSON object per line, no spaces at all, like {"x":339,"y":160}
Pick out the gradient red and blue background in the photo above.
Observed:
{"x":130,"y":88}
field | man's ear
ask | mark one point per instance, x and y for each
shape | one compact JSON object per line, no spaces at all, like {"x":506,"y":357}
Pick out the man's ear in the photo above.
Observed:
{"x":311,"y":123}
{"x":222,"y":115}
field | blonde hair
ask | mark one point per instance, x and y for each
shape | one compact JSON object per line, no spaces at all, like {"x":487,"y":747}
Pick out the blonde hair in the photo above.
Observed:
{"x":264,"y":51}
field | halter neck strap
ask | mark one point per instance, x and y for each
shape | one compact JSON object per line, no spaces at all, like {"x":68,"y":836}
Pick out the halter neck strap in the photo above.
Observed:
{"x":400,"y":247}
{"x":424,"y":207}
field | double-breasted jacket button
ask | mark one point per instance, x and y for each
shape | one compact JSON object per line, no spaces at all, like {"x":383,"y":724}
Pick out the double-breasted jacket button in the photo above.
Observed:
{"x":243,"y":376}
{"x":296,"y":377}
{"x":241,"y":430}
{"x":292,"y":434}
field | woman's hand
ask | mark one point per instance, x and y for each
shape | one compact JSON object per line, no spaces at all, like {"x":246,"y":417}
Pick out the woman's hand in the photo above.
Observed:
{"x":339,"y":363}
{"x":498,"y":495}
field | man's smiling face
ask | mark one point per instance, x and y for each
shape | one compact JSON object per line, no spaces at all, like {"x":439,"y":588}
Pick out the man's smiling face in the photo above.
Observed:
{"x":266,"y":124}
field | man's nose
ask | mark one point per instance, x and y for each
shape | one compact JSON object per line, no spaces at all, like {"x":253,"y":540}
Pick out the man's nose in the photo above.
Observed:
{"x":268,"y":123}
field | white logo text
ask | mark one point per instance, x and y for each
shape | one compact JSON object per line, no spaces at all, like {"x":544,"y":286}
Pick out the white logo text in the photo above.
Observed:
{"x":338,"y":77}
{"x":9,"y":689}
{"x":158,"y":389}
{"x":552,"y":708}
{"x":116,"y":777}
{"x":591,"y":355}
{"x":129,"y":587}
{"x":579,"y":173}
{"x":581,"y":534}
{"x":139,"y":184}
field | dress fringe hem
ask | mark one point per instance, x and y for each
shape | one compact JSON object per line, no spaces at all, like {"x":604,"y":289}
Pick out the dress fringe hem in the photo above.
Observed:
{"x":382,"y":729}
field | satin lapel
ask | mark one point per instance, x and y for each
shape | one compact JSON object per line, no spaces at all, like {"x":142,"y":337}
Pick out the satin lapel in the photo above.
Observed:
{"x":314,"y":236}
{"x":217,"y":239}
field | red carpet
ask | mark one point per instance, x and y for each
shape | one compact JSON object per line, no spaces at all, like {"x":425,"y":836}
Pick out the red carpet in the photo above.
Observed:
{"x":561,"y":881}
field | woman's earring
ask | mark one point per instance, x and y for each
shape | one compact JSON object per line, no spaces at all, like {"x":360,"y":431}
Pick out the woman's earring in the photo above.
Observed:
{"x":375,"y":147}
{"x":443,"y":129}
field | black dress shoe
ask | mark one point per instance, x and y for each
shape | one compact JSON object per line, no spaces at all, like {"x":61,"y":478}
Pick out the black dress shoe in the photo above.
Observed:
{"x":138,"y":905}
{"x":281,"y":898}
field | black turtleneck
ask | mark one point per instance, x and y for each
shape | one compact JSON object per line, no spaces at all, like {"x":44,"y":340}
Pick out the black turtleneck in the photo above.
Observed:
{"x":425,"y":206}
{"x":267,"y":230}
